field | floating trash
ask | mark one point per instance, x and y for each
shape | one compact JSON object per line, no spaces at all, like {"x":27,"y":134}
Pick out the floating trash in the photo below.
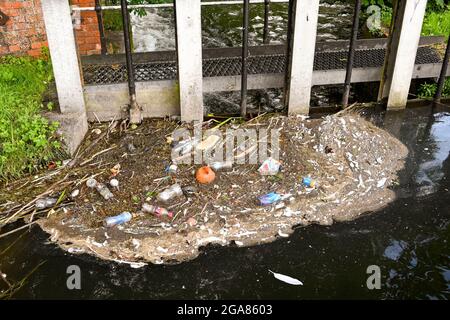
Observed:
{"x":269,"y":198}
{"x":122,"y":218}
{"x":158,"y":211}
{"x":269,"y":167}
{"x":205,"y":175}
{"x":170,"y":193}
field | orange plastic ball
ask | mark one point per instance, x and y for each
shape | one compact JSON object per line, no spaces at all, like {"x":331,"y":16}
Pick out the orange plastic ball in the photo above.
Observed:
{"x":205,"y":175}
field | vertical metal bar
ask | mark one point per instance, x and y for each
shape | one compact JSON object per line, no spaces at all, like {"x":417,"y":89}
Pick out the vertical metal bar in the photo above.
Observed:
{"x":101,"y":29}
{"x":244,"y":59}
{"x":351,"y":53}
{"x":135,"y":115}
{"x":266,"y":21}
{"x":289,"y":39}
{"x":442,"y":76}
{"x":129,"y":58}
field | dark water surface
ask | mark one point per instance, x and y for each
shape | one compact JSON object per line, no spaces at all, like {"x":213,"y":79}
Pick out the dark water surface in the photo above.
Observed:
{"x":408,"y":240}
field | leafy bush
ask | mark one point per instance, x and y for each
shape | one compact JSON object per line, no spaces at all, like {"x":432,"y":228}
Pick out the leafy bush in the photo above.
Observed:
{"x":26,"y":138}
{"x":428,"y":90}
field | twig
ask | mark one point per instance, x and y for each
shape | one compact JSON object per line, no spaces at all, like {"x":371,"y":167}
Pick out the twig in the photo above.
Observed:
{"x":97,"y":154}
{"x":49,"y":190}
{"x":18,"y":229}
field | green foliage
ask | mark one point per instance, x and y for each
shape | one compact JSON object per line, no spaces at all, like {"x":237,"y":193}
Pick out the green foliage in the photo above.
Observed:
{"x":437,"y":23}
{"x":112,"y":20}
{"x":433,"y":5}
{"x":26,"y":138}
{"x":428,"y":90}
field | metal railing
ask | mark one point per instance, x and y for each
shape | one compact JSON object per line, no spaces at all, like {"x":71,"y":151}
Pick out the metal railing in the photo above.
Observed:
{"x":124,"y":7}
{"x":170,"y":5}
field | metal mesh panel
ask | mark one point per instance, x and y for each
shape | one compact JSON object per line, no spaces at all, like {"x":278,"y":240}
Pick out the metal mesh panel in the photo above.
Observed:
{"x":231,"y":66}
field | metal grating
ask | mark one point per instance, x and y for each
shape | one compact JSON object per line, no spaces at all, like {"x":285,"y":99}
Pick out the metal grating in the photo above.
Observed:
{"x":231,"y":66}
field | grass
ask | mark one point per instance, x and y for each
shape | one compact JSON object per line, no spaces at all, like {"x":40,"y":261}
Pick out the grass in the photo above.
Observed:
{"x":436,"y":23}
{"x":27,"y":139}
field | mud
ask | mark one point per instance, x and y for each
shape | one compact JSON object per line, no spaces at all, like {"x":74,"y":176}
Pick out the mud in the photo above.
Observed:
{"x":352,"y":179}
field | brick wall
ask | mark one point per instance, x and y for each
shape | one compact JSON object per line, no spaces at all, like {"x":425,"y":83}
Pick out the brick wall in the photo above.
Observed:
{"x":86,"y":29}
{"x":24,"y":33}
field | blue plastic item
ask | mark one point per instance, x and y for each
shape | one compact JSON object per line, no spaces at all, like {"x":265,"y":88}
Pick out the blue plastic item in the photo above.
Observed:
{"x":269,"y":198}
{"x":116,"y":220}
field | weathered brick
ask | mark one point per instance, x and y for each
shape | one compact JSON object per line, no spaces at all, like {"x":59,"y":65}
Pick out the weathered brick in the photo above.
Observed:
{"x":14,"y":48}
{"x":24,"y":33}
{"x":34,"y":52}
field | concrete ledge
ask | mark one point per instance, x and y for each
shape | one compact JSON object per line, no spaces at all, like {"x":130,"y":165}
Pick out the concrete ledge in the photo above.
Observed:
{"x":108,"y":102}
{"x":160,"y":98}
{"x":72,"y":129}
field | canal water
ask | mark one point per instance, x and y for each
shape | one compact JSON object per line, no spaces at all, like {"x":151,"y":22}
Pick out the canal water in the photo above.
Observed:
{"x":409,"y":240}
{"x":222,"y":25}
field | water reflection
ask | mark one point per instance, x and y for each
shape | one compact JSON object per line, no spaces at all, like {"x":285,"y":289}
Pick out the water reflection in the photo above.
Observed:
{"x":430,"y":171}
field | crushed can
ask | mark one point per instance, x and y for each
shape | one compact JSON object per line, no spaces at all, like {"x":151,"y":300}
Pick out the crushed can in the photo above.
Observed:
{"x":309,"y":183}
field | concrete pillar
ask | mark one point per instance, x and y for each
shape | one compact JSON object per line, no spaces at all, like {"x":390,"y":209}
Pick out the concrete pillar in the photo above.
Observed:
{"x":189,"y":53}
{"x":305,"y":14}
{"x":61,"y":42}
{"x":66,"y":69}
{"x":401,"y":53}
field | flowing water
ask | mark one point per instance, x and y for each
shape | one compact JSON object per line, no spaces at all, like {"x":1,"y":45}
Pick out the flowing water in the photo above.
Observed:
{"x":409,"y":240}
{"x":222,"y":27}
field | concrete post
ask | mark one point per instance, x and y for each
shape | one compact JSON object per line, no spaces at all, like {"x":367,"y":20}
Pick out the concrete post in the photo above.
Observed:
{"x":61,"y":42}
{"x":189,"y":53}
{"x":306,"y":14}
{"x":401,"y":53}
{"x":63,"y":51}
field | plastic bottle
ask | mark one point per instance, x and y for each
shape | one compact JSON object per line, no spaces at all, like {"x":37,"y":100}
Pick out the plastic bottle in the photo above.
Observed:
{"x":122,"y":218}
{"x":104,"y":191}
{"x":91,"y":183}
{"x":172,"y":169}
{"x":269,"y":198}
{"x":101,"y":188}
{"x":185,"y":146}
{"x":158,"y":211}
{"x":219,"y":165}
{"x":170,"y":193}
{"x":45,"y":203}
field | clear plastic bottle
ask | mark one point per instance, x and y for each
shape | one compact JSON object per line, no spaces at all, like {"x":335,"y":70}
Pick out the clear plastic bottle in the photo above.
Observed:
{"x":172,"y":169}
{"x":220,"y":165}
{"x":170,"y":193}
{"x":158,"y":211}
{"x":104,"y":191}
{"x":45,"y":203}
{"x":122,"y":218}
{"x":101,"y":188}
{"x":185,"y":146}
